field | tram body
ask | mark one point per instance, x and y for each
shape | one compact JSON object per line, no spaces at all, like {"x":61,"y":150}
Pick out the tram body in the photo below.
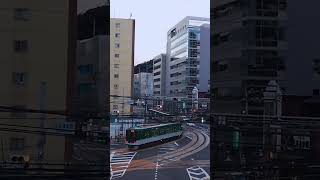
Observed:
{"x":137,"y":136}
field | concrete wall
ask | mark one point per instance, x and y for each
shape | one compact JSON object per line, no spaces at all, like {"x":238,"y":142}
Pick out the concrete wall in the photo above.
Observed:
{"x":303,"y":38}
{"x":47,"y":60}
{"x":93,"y":52}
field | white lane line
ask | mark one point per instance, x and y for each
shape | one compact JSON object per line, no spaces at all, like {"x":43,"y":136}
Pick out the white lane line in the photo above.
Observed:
{"x":167,"y":148}
{"x":195,"y":171}
{"x":156,"y":173}
{"x":111,"y":155}
{"x":171,"y":145}
{"x":122,"y":157}
{"x":189,"y":137}
{"x":120,"y":161}
{"x":115,"y":163}
{"x":176,"y":143}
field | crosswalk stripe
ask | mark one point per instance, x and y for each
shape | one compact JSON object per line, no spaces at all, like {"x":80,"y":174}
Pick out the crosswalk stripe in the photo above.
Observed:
{"x":119,"y":163}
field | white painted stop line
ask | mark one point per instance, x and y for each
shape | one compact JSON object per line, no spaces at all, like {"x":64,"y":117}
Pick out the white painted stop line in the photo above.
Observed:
{"x":197,"y":173}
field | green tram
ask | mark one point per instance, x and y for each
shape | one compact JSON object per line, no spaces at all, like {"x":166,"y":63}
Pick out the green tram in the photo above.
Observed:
{"x":137,"y":136}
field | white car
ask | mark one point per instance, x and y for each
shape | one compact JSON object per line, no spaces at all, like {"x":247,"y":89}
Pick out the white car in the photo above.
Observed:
{"x":191,"y":124}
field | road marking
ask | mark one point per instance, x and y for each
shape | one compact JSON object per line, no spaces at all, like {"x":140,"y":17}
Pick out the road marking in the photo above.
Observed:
{"x":189,"y":137}
{"x":197,"y":173}
{"x":168,"y":145}
{"x":119,"y":162}
{"x":176,"y":143}
{"x":156,"y":173}
{"x":167,"y":148}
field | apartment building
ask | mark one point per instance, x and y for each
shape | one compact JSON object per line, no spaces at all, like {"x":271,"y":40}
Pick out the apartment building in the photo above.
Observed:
{"x":249,"y":50}
{"x":258,"y":41}
{"x":91,"y":76}
{"x":122,"y":34}
{"x":38,"y":53}
{"x":144,"y":67}
{"x":159,"y":75}
{"x":183,"y":56}
{"x":143,"y":84}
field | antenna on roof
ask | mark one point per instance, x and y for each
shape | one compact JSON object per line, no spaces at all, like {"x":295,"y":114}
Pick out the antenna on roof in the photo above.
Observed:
{"x":130,"y":15}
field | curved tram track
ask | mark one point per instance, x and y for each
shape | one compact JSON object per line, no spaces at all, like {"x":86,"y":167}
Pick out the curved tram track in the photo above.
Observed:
{"x":199,"y":141}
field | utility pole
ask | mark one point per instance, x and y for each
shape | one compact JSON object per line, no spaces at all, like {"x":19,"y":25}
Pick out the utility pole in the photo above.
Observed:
{"x":122,"y":111}
{"x":94,"y":27}
{"x":2,"y":150}
{"x":145,"y":110}
{"x":41,"y":141}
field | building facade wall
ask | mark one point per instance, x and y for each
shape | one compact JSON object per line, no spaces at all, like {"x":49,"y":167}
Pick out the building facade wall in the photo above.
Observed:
{"x":36,"y":56}
{"x":183,"y":49}
{"x":143,"y":84}
{"x":121,"y":63}
{"x":204,"y":67}
{"x":92,"y":64}
{"x":144,"y":67}
{"x":303,"y":55}
{"x":247,"y":52}
{"x":159,"y":75}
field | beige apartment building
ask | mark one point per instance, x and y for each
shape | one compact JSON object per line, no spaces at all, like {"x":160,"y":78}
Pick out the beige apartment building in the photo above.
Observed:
{"x":122,"y":38}
{"x":37,"y":51}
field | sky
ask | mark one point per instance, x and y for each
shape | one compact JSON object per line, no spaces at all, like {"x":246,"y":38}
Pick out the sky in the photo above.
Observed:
{"x":153,"y":20}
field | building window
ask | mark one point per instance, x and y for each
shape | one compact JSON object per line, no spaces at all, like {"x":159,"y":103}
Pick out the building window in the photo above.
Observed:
{"x":175,"y":74}
{"x":22,"y":14}
{"x":20,"y":45}
{"x":117,"y":25}
{"x":19,"y":78}
{"x":117,"y":35}
{"x":116,"y":75}
{"x":116,"y":65}
{"x":156,"y":80}
{"x":85,"y":88}
{"x":116,"y":55}
{"x":86,"y":69}
{"x":283,"y":4}
{"x":117,"y":45}
{"x":19,"y":114}
{"x":316,"y":92}
{"x":156,"y":61}
{"x":156,"y":92}
{"x":116,"y":86}
{"x":173,"y":33}
{"x":17,"y":144}
{"x":115,"y":106}
{"x":157,"y":73}
{"x":223,"y":10}
{"x":157,"y":67}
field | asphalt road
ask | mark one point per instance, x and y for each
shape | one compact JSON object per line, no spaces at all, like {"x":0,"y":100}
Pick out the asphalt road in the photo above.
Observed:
{"x":185,"y":158}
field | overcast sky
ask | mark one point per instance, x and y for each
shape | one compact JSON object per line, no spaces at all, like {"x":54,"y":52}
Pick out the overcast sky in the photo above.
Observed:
{"x":153,"y":19}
